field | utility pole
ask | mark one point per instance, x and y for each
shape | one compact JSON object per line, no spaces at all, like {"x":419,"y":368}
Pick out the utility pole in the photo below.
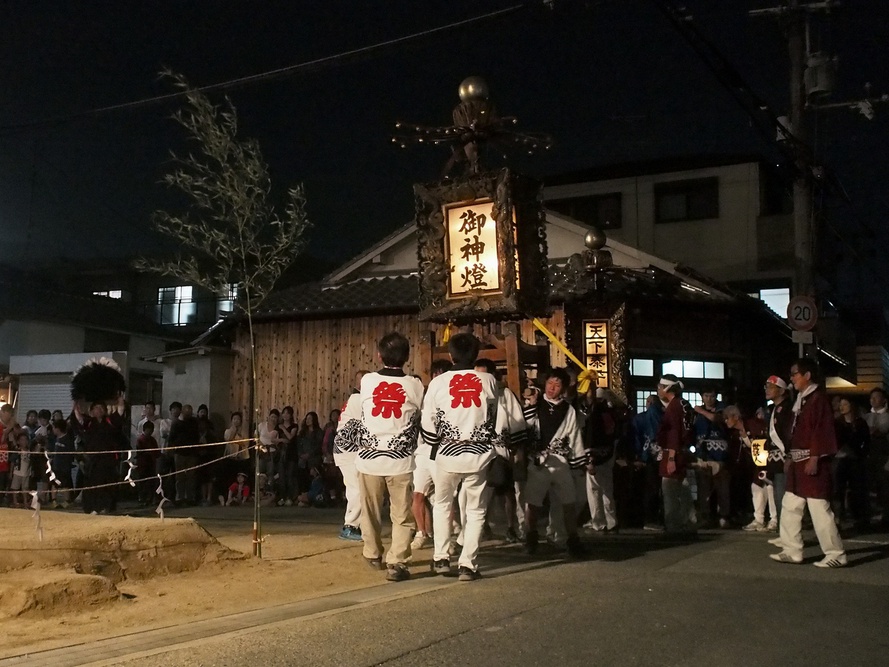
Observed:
{"x":812,"y":76}
{"x":795,"y":16}
{"x":803,"y":236}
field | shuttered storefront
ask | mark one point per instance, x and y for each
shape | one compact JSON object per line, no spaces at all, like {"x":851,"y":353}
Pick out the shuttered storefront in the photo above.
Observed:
{"x":43,"y":392}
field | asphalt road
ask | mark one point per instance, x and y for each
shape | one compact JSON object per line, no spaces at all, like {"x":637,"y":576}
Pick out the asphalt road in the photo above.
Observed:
{"x":639,"y":599}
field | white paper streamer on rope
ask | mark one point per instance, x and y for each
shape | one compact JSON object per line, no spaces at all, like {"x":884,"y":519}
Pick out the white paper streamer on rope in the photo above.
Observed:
{"x":131,"y":462}
{"x":35,"y":505}
{"x":52,"y":476}
{"x":160,"y":491}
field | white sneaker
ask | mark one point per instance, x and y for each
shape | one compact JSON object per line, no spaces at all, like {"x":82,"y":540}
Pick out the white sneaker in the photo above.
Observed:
{"x":785,"y":557}
{"x":421,"y":541}
{"x":754,"y":526}
{"x":833,"y":561}
{"x":772,"y":527}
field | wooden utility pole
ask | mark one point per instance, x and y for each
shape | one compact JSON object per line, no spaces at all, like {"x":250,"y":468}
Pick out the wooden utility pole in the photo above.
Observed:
{"x":803,"y":232}
{"x":795,"y":15}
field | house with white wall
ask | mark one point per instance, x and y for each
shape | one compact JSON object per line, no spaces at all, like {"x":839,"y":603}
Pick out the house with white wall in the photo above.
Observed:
{"x":727,"y":217}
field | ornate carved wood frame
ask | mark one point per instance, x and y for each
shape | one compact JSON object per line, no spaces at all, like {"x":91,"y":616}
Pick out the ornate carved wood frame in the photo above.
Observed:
{"x":521,"y":232}
{"x":616,"y":315}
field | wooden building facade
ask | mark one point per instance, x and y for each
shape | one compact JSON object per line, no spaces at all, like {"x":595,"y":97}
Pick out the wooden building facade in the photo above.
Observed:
{"x":311,"y":363}
{"x":311,"y":339}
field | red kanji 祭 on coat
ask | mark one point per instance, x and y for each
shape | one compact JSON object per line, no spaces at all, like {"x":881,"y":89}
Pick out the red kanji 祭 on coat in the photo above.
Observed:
{"x":388,"y":398}
{"x":466,"y":390}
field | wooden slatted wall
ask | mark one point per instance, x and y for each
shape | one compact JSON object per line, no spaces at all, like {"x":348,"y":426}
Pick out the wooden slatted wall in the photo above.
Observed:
{"x":311,"y":364}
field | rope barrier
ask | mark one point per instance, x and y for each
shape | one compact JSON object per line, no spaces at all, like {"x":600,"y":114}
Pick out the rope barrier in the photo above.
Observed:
{"x":160,"y":491}
{"x":129,"y":481}
{"x":159,"y":510}
{"x":38,"y":524}
{"x":151,"y":449}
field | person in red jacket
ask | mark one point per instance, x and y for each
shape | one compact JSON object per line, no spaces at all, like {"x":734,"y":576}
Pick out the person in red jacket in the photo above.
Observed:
{"x":807,"y":468}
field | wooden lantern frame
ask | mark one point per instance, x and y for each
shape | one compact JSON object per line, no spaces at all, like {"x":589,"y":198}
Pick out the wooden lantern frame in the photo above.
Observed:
{"x":521,"y":249}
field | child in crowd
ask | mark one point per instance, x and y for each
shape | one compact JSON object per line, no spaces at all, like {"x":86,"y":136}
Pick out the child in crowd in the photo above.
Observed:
{"x":238,"y":492}
{"x":316,"y":496}
{"x":62,"y":462}
{"x":21,"y":470}
{"x":266,"y":493}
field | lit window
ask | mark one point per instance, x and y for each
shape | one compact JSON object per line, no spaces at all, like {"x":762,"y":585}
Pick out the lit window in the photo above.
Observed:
{"x":175,"y":305}
{"x":694,"y":398}
{"x":684,"y":368}
{"x":714,"y":370}
{"x":227,"y":303}
{"x":693,"y":369}
{"x":776,"y":299}
{"x":642,"y":367}
{"x":642,"y":399}
{"x":672,"y":367}
{"x":111,"y":294}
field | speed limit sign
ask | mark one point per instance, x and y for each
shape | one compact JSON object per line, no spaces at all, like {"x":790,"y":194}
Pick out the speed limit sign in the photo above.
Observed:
{"x":802,"y":313}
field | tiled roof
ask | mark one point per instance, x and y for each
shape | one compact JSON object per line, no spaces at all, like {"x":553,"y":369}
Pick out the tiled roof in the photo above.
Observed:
{"x":399,"y":293}
{"x":365,"y":295}
{"x":650,"y":283}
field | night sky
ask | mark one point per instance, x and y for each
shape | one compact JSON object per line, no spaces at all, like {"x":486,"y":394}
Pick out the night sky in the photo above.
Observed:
{"x":610,"y":80}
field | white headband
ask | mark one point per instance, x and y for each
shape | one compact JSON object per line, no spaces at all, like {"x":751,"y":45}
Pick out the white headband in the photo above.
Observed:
{"x":666,"y":384}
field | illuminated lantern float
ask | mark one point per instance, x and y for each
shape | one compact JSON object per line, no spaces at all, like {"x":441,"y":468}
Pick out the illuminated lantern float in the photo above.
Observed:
{"x":482,"y":249}
{"x":482,"y":236}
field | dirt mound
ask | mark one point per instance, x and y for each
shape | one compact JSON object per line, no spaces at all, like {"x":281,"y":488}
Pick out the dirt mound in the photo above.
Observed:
{"x":81,"y":558}
{"x":47,"y":591}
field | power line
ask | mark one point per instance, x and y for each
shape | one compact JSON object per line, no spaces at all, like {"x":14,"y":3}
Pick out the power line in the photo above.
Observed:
{"x":289,"y":70}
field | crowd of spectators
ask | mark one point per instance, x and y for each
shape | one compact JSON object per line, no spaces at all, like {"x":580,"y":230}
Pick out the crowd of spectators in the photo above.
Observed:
{"x":732,"y":471}
{"x":88,"y":459}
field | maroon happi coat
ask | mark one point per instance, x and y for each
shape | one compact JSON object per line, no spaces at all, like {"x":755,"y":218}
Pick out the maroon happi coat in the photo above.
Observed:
{"x":672,"y":435}
{"x":814,"y":430}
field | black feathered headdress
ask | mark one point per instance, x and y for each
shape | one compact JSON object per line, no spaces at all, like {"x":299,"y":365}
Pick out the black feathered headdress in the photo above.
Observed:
{"x":98,"y":380}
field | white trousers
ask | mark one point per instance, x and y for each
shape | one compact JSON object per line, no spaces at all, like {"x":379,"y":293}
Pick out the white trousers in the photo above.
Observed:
{"x":600,"y":496}
{"x":520,"y":502}
{"x":475,"y":504}
{"x":461,"y":504}
{"x":764,"y":496}
{"x":791,"y":526}
{"x":353,"y":495}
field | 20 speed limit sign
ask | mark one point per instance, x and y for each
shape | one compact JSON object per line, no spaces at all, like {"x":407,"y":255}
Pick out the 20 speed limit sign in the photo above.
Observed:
{"x":802,"y":313}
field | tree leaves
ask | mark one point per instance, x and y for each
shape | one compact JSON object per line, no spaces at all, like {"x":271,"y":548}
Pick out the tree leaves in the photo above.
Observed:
{"x":231,"y":233}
